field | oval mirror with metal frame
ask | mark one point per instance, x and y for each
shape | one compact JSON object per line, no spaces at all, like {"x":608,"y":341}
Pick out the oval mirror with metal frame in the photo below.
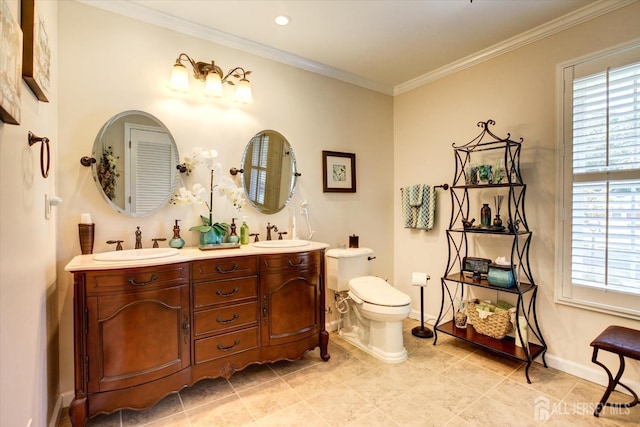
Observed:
{"x":270,"y":174}
{"x":136,"y":158}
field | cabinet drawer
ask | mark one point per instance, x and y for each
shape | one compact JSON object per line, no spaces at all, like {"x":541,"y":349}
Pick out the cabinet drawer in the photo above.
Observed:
{"x":220,"y":319}
{"x":224,"y":345}
{"x":300,"y":260}
{"x":224,"y":291}
{"x":138,"y":278}
{"x":225,"y":268}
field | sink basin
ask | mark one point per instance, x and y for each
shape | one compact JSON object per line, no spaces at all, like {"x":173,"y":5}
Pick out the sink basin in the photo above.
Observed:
{"x":281,"y":243}
{"x":135,"y":254}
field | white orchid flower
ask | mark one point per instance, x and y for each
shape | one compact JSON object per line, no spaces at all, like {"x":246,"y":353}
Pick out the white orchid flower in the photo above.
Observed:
{"x":209,"y":159}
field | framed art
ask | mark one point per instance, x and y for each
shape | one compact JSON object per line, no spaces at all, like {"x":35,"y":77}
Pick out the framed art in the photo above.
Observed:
{"x":36,"y":61}
{"x":10,"y":66}
{"x":339,"y":172}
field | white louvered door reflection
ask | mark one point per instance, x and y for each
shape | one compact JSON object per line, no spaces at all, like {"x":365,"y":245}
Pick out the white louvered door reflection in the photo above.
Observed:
{"x":152,"y":167}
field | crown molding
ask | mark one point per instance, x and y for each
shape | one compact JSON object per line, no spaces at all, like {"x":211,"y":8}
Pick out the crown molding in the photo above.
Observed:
{"x":141,"y":13}
{"x":593,"y":10}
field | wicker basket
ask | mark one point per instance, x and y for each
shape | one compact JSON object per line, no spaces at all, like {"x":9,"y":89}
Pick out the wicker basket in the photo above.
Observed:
{"x":496,"y":325}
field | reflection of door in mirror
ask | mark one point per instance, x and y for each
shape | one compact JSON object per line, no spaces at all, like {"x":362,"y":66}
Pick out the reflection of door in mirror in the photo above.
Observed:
{"x":136,"y":163}
{"x":149,"y":168}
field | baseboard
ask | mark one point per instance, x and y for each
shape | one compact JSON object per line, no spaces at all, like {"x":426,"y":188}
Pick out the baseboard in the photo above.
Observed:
{"x":57,"y":411}
{"x":332,"y":326}
{"x":588,"y":373}
{"x":415,"y":314}
{"x":67,"y":397}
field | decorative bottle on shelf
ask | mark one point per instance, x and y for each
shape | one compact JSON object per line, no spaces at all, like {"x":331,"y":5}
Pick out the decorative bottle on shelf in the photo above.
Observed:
{"x":233,"y":237}
{"x":177,"y":241}
{"x":244,"y":232}
{"x":485,"y":215}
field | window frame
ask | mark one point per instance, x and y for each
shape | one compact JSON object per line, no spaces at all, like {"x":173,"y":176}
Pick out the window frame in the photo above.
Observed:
{"x":609,"y":301}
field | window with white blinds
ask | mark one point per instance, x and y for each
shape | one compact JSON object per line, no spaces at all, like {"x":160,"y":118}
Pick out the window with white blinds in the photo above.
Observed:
{"x":258,"y":170}
{"x":601,"y":182}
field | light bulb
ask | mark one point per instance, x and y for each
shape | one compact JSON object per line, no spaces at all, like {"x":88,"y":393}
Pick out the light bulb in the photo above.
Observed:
{"x":282,"y":20}
{"x":213,"y":84}
{"x":243,"y":92}
{"x":179,"y":80}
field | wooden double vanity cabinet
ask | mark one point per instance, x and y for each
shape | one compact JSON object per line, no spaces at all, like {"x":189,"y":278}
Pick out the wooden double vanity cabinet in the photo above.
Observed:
{"x":145,"y":329}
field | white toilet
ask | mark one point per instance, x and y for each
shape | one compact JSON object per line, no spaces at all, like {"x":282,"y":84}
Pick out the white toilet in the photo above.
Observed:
{"x":376,"y":309}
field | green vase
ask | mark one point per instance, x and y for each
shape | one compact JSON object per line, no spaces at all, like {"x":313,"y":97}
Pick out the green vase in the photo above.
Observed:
{"x":211,"y":237}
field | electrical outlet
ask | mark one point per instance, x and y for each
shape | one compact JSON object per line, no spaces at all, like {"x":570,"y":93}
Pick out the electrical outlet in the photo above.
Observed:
{"x":303,"y":207}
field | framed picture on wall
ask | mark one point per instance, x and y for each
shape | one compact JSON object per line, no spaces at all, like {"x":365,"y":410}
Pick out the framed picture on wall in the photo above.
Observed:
{"x":36,"y":62}
{"x":339,"y":172}
{"x":10,"y":66}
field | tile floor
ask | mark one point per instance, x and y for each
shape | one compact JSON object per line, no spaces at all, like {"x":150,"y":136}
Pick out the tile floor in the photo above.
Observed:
{"x":450,"y":384}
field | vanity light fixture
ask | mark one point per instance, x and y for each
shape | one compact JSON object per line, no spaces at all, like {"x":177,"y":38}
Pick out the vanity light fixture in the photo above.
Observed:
{"x":213,"y":78}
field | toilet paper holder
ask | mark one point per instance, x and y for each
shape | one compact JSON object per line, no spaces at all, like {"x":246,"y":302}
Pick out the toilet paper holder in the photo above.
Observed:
{"x":420,"y":331}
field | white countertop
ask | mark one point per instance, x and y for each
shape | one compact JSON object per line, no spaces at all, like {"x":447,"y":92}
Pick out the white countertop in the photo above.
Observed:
{"x":192,"y":253}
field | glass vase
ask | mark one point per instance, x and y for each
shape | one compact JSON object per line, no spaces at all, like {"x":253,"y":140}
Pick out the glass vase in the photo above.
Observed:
{"x":485,"y":215}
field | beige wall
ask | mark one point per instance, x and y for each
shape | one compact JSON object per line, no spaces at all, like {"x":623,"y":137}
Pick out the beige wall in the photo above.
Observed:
{"x":518,"y":91}
{"x":28,"y":304}
{"x":111,"y":64}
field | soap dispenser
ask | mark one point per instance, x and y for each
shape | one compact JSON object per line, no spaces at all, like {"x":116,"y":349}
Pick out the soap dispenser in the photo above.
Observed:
{"x":233,"y":237}
{"x":244,"y":232}
{"x":177,"y":241}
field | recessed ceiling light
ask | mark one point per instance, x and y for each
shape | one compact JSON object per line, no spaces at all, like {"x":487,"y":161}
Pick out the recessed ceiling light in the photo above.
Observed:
{"x":282,"y":20}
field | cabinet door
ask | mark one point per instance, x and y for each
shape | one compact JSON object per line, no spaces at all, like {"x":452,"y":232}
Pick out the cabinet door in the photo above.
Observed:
{"x":137,"y":337}
{"x":290,"y":302}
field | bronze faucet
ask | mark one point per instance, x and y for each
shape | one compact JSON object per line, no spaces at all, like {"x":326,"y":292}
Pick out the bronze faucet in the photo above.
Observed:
{"x":117,"y":242}
{"x":138,"y":238}
{"x":269,"y":228}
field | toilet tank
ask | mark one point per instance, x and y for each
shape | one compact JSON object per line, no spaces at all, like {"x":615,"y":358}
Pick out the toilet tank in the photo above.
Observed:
{"x":342,"y":265}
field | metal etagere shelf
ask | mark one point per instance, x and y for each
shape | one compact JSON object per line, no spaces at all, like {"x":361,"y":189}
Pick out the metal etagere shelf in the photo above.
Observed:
{"x":516,"y":234}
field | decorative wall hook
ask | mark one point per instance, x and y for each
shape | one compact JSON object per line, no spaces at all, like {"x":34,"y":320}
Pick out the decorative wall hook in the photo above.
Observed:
{"x":235,"y":171}
{"x":87,"y":161}
{"x":33,"y":139}
{"x":297,"y":174}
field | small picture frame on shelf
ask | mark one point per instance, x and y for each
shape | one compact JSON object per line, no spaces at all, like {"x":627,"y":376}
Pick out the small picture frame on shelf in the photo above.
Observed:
{"x":339,"y":172}
{"x":478,"y":267}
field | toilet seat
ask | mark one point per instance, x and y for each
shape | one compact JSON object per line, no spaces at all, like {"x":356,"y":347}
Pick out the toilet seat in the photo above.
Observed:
{"x":375,"y":291}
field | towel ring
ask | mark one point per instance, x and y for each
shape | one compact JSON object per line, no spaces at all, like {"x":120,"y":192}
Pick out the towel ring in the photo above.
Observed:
{"x":33,"y":139}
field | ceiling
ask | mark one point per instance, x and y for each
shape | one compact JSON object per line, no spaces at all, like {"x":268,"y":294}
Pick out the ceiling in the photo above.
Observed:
{"x":387,"y":45}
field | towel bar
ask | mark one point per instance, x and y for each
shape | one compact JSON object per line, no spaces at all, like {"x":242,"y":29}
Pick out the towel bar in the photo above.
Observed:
{"x":443,"y":186}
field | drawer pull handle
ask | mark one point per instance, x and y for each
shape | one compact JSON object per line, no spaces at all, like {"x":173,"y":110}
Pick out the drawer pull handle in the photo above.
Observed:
{"x":224,"y":322}
{"x":291,"y":264}
{"x":231,"y":270}
{"x":265,"y":309}
{"x":233,"y":292}
{"x":154,"y":277}
{"x":221,"y":347}
{"x":186,"y":327}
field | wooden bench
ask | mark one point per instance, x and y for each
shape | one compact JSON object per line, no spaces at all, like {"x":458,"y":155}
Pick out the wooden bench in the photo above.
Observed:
{"x":624,"y":342}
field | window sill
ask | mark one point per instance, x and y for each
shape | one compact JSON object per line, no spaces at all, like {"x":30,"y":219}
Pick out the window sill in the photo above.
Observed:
{"x":611,"y":310}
